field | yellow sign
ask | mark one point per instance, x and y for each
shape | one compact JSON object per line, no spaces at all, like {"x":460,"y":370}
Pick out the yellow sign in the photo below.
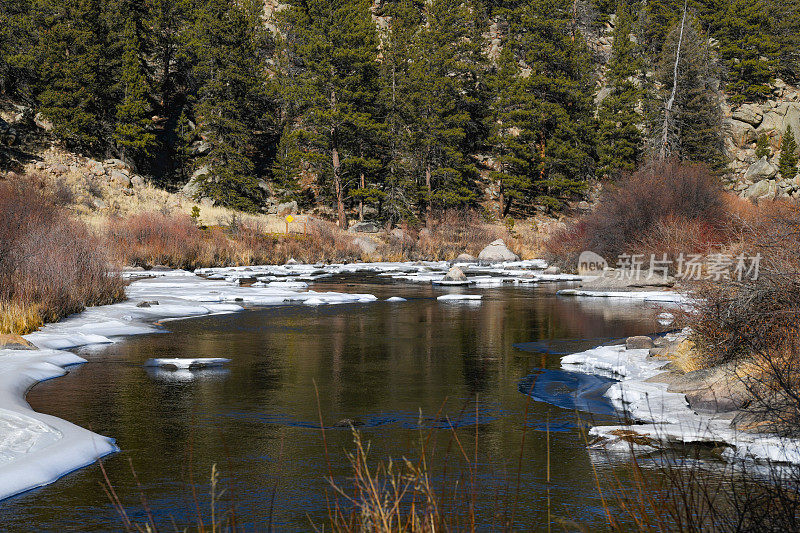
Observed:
{"x":289,"y":218}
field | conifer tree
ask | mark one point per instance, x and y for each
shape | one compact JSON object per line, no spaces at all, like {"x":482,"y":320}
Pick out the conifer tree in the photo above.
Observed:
{"x":511,"y":142}
{"x":692,"y":128}
{"x":437,"y":109}
{"x":72,"y":69}
{"x":398,"y":185}
{"x":746,"y":48}
{"x":620,"y":135}
{"x":336,"y":48}
{"x":561,"y":86}
{"x":228,"y":41}
{"x":132,"y":133}
{"x":762,"y":146}
{"x":787,"y":163}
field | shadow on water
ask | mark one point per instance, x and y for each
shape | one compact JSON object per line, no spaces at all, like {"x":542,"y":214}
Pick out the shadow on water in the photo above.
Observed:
{"x":569,"y":390}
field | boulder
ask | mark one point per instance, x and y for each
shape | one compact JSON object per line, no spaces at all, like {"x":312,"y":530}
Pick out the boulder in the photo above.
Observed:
{"x":792,"y":118}
{"x":367,"y":245}
{"x":137,"y":181}
{"x":760,"y":170}
{"x":424,"y":232}
{"x":287,"y":208}
{"x":716,"y":389}
{"x":119,"y":179}
{"x":552,"y":271}
{"x":455,"y":274}
{"x":8,"y":135}
{"x":116,"y":163}
{"x":192,"y":187}
{"x":639,"y":342}
{"x":399,"y":234}
{"x":42,"y":122}
{"x":497,"y":251}
{"x":364,"y":227}
{"x":772,"y":122}
{"x":749,"y":113}
{"x":59,"y":169}
{"x":96,"y":167}
{"x":762,"y":190}
{"x":466,"y":258}
{"x":741,"y":132}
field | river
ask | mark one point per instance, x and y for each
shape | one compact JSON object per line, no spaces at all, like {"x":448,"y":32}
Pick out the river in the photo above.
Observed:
{"x":389,"y":365}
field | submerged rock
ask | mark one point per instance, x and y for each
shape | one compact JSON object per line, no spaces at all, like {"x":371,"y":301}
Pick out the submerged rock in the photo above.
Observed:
{"x":349,"y":423}
{"x":497,"y":251}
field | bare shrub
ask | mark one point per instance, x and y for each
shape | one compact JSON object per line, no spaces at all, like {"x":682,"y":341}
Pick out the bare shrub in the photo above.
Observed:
{"x":645,"y":206}
{"x":48,"y":261}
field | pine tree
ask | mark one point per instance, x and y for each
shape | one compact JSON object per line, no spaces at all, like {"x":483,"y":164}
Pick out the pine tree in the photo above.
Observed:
{"x":620,"y":134}
{"x":746,"y":48}
{"x":133,"y":133}
{"x":437,"y":109}
{"x":288,"y":160}
{"x":787,"y":163}
{"x":336,"y":47}
{"x":398,"y":184}
{"x":228,"y":41}
{"x":762,"y":146}
{"x":560,"y":83}
{"x":691,"y":129}
{"x":512,"y":110}
{"x":73,"y":70}
{"x":18,"y":40}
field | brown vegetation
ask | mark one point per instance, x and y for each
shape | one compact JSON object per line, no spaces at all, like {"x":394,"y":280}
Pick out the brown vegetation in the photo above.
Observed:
{"x":153,"y":238}
{"x":663,"y":208}
{"x":50,"y":264}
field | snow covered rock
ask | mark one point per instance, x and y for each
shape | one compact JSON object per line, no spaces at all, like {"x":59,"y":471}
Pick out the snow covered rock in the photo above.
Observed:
{"x":497,"y":251}
{"x":455,"y":274}
{"x":176,"y":363}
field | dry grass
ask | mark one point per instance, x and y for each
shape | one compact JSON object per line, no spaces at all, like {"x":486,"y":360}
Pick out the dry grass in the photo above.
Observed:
{"x":19,"y":318}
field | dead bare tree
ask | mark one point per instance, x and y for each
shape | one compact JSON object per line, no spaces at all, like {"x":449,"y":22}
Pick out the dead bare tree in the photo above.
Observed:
{"x":668,"y":126}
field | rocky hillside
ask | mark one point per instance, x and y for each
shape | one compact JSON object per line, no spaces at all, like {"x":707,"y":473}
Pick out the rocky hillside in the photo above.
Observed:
{"x":755,"y":177}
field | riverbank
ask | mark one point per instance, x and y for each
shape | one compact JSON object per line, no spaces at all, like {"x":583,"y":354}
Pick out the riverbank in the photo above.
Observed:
{"x":669,"y":404}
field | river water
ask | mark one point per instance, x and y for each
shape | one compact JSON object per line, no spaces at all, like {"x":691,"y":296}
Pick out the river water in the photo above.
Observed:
{"x":404,"y":370}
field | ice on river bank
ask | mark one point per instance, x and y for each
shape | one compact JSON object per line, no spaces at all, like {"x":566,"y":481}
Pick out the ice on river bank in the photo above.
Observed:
{"x":37,"y":449}
{"x":666,"y":417}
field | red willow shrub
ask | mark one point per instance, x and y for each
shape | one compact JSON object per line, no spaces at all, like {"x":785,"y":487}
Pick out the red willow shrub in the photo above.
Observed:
{"x":48,"y":260}
{"x":681,"y":203}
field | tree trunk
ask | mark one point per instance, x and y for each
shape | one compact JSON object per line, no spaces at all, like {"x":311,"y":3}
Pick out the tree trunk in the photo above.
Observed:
{"x":501,"y":202}
{"x":361,"y":200}
{"x":337,"y":185}
{"x":428,"y":206}
{"x":507,"y":208}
